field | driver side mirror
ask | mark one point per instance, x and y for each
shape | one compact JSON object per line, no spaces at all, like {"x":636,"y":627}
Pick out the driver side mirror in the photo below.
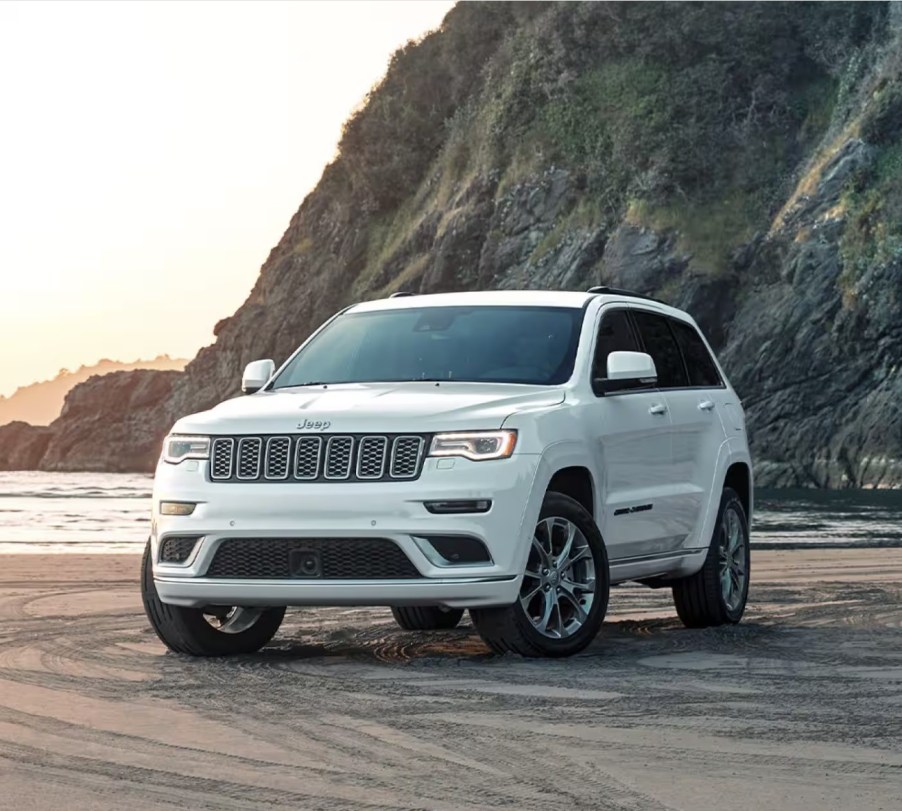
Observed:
{"x":256,"y":375}
{"x":627,"y":370}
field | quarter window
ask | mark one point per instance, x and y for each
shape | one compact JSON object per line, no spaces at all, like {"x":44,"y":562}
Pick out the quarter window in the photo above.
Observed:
{"x":701,"y":366}
{"x":615,"y":334}
{"x":662,"y":346}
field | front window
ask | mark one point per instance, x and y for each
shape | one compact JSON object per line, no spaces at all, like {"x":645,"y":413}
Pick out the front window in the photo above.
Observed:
{"x":534,"y":345}
{"x":661,"y":345}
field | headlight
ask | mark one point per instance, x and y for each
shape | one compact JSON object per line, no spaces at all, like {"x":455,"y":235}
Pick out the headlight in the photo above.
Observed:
{"x":176,"y":448}
{"x":475,"y":445}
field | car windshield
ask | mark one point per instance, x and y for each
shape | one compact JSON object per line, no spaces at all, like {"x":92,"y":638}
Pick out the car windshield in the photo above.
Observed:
{"x":534,"y":345}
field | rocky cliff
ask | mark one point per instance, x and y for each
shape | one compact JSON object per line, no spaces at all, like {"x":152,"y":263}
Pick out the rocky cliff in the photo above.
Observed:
{"x":22,"y":446}
{"x":743,"y":161}
{"x":111,"y":423}
{"x":41,"y":403}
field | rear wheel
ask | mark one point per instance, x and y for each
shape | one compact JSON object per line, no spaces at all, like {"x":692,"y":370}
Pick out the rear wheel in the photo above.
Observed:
{"x":209,"y":631}
{"x":564,"y":594}
{"x":717,"y":593}
{"x":426,"y":617}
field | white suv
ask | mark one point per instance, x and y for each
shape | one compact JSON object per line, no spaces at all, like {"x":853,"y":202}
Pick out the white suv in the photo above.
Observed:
{"x":512,"y":453}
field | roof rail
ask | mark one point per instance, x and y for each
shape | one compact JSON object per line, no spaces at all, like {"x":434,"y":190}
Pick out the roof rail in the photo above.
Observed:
{"x":400,"y":294}
{"x":616,"y":291}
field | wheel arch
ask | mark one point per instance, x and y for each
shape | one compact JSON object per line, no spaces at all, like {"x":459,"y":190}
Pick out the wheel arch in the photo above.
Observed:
{"x":739,"y":478}
{"x":575,"y":481}
{"x":567,"y":460}
{"x":733,"y":469}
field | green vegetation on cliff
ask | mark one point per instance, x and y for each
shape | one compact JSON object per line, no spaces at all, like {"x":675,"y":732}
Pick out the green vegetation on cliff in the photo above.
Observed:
{"x":692,"y":117}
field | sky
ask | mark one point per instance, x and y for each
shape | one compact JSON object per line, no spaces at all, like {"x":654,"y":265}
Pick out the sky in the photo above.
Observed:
{"x":151,"y":155}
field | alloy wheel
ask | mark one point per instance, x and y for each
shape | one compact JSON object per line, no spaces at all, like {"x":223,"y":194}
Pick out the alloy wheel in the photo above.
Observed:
{"x":733,"y":556}
{"x":559,"y":582}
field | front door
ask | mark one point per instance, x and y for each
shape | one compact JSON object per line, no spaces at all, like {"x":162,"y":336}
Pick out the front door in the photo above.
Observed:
{"x":633,"y":454}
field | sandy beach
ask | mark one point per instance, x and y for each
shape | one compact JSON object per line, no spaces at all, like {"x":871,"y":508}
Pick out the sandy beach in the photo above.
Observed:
{"x":800,"y":707}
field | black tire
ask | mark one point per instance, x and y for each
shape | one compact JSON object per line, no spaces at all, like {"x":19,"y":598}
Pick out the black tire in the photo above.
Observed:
{"x":186,"y":630}
{"x":699,"y":599}
{"x":509,"y":629}
{"x":426,"y":617}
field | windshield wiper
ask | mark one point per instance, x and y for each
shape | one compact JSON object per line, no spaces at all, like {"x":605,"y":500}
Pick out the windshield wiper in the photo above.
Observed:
{"x":365,"y":382}
{"x":305,"y":383}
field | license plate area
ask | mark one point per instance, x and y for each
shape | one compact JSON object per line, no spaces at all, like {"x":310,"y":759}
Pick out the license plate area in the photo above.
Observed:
{"x":305,"y":563}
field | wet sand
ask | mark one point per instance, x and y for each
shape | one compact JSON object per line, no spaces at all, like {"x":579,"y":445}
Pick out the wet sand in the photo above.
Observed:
{"x":800,"y":707}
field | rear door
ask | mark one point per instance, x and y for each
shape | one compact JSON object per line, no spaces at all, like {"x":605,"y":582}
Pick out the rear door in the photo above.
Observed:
{"x":692,"y":394}
{"x":632,"y":450}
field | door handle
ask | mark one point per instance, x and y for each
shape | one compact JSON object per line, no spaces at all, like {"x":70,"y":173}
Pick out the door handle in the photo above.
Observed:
{"x":705,"y":405}
{"x":658,"y":408}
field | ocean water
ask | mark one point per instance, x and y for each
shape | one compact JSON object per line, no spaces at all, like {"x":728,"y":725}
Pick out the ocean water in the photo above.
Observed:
{"x":110,"y":512}
{"x":74,"y":512}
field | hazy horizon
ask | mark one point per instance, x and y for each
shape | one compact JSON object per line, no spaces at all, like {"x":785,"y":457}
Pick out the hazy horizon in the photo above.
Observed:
{"x":144,"y":184}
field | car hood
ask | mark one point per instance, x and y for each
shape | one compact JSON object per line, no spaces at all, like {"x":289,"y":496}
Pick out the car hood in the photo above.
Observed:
{"x":416,"y":407}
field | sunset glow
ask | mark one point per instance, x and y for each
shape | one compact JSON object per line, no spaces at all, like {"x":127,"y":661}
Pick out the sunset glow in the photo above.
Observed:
{"x":153,"y":153}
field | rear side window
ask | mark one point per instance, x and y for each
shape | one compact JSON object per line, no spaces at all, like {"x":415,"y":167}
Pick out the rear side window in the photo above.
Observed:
{"x":615,"y":334}
{"x":701,"y":366}
{"x":662,"y":346}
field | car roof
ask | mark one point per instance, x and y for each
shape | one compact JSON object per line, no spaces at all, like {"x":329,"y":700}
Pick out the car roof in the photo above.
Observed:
{"x":508,"y":298}
{"x":498,"y":298}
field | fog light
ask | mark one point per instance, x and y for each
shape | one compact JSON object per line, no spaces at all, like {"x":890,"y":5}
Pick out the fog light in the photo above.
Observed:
{"x":177,"y":507}
{"x":482,"y":505}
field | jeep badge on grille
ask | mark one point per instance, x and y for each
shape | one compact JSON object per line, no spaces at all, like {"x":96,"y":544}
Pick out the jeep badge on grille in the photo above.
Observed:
{"x":314,"y":425}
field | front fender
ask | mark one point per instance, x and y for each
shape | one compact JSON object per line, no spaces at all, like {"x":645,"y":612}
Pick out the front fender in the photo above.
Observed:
{"x":560,"y":455}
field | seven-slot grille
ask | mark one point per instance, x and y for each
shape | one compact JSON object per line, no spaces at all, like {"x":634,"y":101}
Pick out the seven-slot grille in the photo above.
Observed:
{"x":318,"y":458}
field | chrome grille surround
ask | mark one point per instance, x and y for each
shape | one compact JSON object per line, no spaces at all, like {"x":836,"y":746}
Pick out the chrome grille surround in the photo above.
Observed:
{"x":339,"y":450}
{"x":276,"y":463}
{"x":371,"y":457}
{"x":406,"y":453}
{"x":317,"y":458}
{"x":249,"y":452}
{"x":221,"y":458}
{"x":308,"y":454}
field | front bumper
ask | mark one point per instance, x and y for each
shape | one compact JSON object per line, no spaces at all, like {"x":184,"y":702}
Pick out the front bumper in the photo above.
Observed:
{"x":456,"y":592}
{"x":392,"y":510}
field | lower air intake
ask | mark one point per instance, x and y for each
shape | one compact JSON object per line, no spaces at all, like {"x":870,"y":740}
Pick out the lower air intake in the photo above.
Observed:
{"x":177,"y":548}
{"x":337,"y":559}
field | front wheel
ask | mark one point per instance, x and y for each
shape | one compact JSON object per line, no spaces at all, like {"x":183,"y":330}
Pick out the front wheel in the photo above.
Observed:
{"x":564,"y":593}
{"x":717,"y":593}
{"x":210,"y":631}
